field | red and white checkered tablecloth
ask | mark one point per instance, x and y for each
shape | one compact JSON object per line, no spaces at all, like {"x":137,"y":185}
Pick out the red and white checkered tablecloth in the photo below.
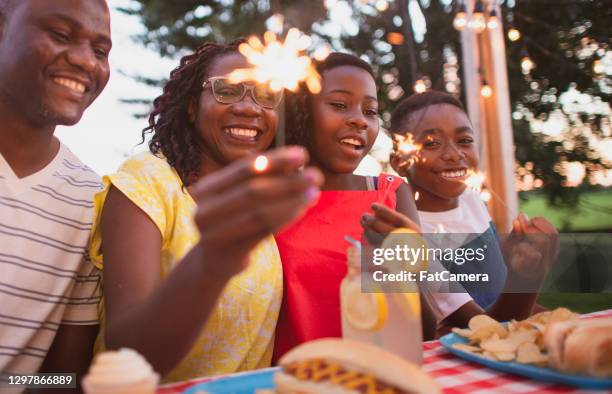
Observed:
{"x":457,"y":376}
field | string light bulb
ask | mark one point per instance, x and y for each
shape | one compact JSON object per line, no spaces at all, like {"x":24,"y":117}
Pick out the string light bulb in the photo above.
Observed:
{"x":395,"y":38}
{"x":419,"y":86}
{"x":460,"y":21}
{"x":485,"y":89}
{"x":526,"y":63}
{"x":478,"y":23}
{"x":598,"y":67}
{"x":514,"y":34}
{"x":493,"y":21}
{"x":382,"y":5}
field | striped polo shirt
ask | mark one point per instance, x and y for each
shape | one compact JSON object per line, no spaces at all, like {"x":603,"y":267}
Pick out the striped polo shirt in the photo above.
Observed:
{"x":46,"y":278}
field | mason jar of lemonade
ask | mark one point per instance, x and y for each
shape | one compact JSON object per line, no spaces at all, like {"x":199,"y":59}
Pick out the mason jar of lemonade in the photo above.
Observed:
{"x":388,"y":320}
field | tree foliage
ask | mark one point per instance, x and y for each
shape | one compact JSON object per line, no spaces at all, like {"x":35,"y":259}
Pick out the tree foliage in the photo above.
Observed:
{"x":564,"y":38}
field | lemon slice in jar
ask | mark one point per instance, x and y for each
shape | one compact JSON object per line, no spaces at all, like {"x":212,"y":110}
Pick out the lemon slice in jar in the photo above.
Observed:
{"x":405,"y":237}
{"x":364,"y":311}
{"x":414,"y":301}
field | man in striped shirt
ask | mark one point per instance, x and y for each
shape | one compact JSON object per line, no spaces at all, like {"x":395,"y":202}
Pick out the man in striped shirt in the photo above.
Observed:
{"x":53,"y":65}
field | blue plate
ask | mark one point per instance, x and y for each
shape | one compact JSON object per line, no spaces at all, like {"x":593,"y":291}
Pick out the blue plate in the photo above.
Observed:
{"x":530,"y":371}
{"x":242,"y":383}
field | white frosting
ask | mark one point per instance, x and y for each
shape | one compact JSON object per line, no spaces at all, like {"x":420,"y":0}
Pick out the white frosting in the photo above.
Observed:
{"x":121,"y":368}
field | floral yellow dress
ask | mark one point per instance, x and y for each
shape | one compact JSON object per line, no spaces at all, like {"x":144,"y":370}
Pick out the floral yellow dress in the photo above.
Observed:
{"x":240,"y":332}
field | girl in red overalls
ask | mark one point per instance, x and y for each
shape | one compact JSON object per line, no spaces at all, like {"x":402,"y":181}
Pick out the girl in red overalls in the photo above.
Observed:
{"x":338,"y":126}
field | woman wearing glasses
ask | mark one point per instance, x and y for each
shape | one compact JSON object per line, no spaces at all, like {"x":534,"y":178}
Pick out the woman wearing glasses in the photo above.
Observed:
{"x":200,"y":297}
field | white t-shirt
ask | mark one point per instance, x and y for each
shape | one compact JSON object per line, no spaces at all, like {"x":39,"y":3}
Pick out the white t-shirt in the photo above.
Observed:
{"x":470,"y":224}
{"x":46,"y":278}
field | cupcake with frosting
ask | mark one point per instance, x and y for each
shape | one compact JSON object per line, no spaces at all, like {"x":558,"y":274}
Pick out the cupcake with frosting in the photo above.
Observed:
{"x":123,"y":371}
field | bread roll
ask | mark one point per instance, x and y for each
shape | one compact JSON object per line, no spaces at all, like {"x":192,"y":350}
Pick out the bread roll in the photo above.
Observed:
{"x":581,"y":346}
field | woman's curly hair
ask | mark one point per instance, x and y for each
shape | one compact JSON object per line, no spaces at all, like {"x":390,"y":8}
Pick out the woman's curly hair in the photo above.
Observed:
{"x":174,"y":134}
{"x":299,"y":121}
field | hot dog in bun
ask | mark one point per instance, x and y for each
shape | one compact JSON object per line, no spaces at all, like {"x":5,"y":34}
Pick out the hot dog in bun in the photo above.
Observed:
{"x":341,"y":366}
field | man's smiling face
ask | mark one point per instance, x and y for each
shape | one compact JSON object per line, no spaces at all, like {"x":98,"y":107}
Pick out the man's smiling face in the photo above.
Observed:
{"x":54,"y":58}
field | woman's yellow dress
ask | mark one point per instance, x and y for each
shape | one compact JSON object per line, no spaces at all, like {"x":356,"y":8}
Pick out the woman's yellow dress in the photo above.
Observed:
{"x":239,"y":334}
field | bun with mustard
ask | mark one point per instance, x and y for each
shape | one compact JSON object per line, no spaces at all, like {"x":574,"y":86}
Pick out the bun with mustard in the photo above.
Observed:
{"x":342,"y":366}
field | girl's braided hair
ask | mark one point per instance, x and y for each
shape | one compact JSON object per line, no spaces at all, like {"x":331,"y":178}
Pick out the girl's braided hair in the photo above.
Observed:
{"x":298,"y":110}
{"x":174,"y":134}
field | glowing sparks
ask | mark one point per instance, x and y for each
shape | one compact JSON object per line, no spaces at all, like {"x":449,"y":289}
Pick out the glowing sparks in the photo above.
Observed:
{"x":279,"y":64}
{"x":322,"y":52}
{"x":407,"y":149}
{"x":475,"y":180}
{"x":485,"y":195}
{"x":406,"y":144}
{"x":276,"y":23}
{"x":261,"y":163}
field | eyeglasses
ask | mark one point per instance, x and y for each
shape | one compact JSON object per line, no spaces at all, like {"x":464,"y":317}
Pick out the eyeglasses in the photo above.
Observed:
{"x":227,"y":92}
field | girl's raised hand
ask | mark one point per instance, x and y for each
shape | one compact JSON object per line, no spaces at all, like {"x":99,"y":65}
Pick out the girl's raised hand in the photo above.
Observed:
{"x":383,"y":221}
{"x":239,"y":205}
{"x":530,"y":250}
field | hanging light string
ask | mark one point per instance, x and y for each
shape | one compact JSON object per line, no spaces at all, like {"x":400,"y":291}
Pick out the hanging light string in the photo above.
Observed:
{"x":477,"y":21}
{"x":555,"y":56}
{"x":462,"y":21}
{"x":548,"y":53}
{"x":534,"y":21}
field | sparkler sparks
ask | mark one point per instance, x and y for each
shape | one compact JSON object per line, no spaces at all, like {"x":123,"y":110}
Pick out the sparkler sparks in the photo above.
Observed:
{"x":474,"y":180}
{"x":280,"y":65}
{"x":407,"y":149}
{"x":261,"y":163}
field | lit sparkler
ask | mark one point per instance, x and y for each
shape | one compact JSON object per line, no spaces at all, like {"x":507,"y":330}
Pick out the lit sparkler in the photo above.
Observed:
{"x":281,"y":65}
{"x":475,"y":180}
{"x":261,"y":163}
{"x":408,"y":154}
{"x":407,"y":149}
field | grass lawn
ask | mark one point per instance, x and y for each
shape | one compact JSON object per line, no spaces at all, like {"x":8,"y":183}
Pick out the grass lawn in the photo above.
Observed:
{"x":578,"y":302}
{"x":588,"y":216}
{"x":593,"y":214}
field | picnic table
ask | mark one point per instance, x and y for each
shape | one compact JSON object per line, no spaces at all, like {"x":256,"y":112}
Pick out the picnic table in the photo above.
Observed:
{"x":453,"y":374}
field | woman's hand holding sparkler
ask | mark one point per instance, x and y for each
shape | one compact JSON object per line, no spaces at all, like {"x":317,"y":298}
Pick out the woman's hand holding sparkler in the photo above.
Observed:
{"x":241,"y":204}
